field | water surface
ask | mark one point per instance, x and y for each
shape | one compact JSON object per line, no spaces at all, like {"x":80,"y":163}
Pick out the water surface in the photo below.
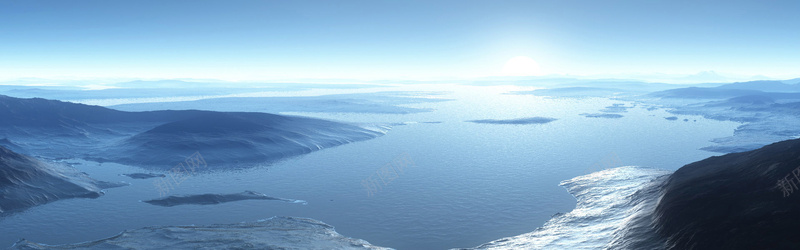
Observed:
{"x":470,"y":183}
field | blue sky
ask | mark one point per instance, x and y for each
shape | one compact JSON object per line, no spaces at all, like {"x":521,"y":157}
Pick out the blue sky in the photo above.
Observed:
{"x":261,"y":40}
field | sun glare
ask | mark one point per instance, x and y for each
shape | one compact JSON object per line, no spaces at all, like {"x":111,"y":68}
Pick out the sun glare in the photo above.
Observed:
{"x":521,"y":66}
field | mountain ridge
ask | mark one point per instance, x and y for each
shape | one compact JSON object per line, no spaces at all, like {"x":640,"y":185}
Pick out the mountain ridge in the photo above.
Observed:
{"x":157,"y":139}
{"x":733,"y":201}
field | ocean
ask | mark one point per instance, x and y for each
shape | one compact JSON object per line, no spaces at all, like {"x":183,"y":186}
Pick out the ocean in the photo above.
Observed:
{"x":459,"y":184}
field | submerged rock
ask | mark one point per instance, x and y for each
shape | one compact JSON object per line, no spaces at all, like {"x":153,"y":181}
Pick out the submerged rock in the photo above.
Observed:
{"x":273,"y":233}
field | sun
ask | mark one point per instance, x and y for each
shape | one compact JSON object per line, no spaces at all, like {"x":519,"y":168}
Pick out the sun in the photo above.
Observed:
{"x":521,"y":66}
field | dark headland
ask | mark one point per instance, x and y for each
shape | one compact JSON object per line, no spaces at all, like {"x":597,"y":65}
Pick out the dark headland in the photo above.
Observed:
{"x":746,"y":200}
{"x":161,"y":139}
{"x":26,"y":182}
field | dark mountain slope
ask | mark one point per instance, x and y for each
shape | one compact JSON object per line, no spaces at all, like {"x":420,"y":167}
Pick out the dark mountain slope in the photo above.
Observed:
{"x":159,"y":139}
{"x":26,"y":182}
{"x":232,"y":139}
{"x":746,"y":200}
